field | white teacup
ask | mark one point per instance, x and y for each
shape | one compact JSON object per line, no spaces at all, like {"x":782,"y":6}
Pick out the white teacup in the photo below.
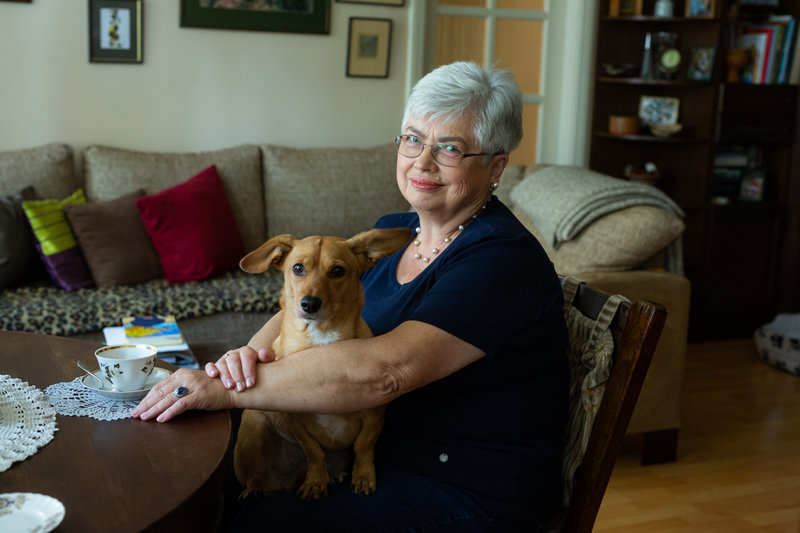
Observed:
{"x":126,"y":366}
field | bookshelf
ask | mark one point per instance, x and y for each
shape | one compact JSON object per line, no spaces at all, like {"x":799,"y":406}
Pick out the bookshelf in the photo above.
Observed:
{"x":740,"y":255}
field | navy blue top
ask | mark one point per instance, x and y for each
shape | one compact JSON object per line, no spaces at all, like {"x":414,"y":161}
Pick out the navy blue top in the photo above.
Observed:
{"x":494,"y":428}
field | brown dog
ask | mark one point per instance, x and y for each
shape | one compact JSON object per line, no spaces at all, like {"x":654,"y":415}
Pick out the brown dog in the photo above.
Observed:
{"x":322,"y":299}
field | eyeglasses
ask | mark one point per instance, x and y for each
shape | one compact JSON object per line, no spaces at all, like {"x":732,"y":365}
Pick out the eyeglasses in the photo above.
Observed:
{"x":445,"y":154}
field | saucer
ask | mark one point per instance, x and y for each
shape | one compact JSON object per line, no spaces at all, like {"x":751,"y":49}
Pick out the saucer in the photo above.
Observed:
{"x":29,"y":512}
{"x":157,"y":375}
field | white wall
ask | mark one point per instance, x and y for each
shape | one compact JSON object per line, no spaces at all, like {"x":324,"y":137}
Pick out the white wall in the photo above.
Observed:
{"x":198,"y":89}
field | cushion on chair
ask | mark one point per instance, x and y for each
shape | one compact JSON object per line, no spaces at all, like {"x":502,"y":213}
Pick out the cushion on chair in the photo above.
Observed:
{"x":590,"y":350}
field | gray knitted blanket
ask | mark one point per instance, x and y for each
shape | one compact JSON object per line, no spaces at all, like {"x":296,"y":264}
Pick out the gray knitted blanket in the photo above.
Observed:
{"x":563,"y":200}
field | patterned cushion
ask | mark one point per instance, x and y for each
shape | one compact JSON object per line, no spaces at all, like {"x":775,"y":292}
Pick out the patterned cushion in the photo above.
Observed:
{"x":48,"y":310}
{"x":56,"y":243}
{"x":590,"y":351}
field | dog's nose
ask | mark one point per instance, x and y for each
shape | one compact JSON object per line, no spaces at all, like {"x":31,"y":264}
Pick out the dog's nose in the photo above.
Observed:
{"x":310,"y":304}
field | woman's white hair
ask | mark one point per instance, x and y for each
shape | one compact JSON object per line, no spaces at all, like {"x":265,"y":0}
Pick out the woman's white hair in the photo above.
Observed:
{"x":490,"y":97}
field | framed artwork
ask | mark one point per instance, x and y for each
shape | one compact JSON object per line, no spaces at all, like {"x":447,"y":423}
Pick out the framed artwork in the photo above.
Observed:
{"x":368,"y":46}
{"x":115,"y":31}
{"x":624,"y":8}
{"x":752,"y":185}
{"x":296,"y":16}
{"x":701,"y":63}
{"x":700,"y":8}
{"x":397,"y":3}
{"x":658,"y":110}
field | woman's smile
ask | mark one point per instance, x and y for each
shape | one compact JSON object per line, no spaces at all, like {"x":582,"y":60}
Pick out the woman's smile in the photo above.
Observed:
{"x":424,"y":185}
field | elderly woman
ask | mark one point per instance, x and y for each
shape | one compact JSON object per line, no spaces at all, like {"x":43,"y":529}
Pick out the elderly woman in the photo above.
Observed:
{"x":468,"y":348}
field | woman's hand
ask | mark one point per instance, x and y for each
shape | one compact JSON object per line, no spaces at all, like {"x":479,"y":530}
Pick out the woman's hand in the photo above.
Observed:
{"x":198,"y":392}
{"x":237,"y":368}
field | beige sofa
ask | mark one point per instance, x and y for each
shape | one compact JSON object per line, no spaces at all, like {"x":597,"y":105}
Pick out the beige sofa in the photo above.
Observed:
{"x":336,"y":191}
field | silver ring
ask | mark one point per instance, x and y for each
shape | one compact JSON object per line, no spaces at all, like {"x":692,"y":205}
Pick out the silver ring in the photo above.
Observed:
{"x":180,"y":392}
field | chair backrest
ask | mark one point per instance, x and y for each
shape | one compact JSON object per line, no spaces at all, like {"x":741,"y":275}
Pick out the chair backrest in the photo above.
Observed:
{"x":635,"y":329}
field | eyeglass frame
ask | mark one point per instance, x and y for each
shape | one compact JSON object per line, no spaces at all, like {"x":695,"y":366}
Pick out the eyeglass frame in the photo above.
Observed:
{"x":435,"y":148}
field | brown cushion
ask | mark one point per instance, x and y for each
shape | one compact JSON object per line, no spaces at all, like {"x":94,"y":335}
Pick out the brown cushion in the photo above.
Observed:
{"x":114,"y":241}
{"x":619,"y":241}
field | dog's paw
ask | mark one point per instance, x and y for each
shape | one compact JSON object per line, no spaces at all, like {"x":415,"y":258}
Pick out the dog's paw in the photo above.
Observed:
{"x":363,"y":485}
{"x":310,"y":490}
{"x":248,"y":495}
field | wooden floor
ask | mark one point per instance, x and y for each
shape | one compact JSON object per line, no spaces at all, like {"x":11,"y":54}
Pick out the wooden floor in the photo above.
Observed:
{"x":738,"y":466}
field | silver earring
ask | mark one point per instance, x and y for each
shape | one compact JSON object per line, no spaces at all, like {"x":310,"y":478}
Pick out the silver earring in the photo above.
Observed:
{"x":493,"y":185}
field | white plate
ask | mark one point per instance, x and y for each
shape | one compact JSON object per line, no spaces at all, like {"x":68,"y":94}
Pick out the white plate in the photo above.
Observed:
{"x":26,"y":512}
{"x":106,"y":390}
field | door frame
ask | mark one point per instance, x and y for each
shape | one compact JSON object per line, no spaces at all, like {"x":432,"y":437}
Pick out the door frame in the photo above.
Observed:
{"x":566,"y":80}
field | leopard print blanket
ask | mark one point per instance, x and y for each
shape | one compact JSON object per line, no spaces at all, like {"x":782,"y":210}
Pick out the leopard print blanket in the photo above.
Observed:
{"x":50,"y":310}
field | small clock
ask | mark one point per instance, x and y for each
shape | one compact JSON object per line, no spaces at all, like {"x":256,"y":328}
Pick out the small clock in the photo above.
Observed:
{"x":667,"y":57}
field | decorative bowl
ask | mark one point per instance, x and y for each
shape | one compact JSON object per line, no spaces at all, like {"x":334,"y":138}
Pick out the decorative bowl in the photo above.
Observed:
{"x":665,"y":130}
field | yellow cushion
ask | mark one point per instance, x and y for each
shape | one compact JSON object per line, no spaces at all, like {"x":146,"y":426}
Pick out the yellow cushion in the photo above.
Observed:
{"x":49,"y":223}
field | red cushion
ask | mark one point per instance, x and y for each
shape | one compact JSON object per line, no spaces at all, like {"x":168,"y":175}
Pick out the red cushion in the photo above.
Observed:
{"x":192,"y":228}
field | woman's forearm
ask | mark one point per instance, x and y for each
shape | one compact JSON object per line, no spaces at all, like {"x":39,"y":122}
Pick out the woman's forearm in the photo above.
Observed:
{"x":268,"y":333}
{"x":355,"y":374}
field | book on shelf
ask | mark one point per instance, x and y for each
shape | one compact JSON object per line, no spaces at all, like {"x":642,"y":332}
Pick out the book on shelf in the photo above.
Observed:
{"x":772,"y":45}
{"x":156,"y":330}
{"x":756,"y":44}
{"x":736,"y":155}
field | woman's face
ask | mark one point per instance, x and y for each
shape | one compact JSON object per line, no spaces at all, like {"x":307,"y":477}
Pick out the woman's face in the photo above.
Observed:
{"x":446,"y":191}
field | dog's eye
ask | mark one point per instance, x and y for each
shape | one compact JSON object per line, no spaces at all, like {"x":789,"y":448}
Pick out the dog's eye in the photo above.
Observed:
{"x":337,"y":272}
{"x":299,"y":269}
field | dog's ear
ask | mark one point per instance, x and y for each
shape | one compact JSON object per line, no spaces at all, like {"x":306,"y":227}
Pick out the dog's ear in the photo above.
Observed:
{"x":376,"y":243}
{"x":272,"y":252}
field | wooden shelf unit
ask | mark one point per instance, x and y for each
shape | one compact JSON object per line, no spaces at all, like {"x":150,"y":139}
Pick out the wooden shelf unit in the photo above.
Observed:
{"x":742,"y":258}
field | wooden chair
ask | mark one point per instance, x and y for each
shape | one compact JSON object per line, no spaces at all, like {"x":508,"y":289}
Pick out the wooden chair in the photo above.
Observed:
{"x":635,"y":330}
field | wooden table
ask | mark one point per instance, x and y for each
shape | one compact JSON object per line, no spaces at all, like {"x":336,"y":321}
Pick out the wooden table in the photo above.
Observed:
{"x":123,"y":475}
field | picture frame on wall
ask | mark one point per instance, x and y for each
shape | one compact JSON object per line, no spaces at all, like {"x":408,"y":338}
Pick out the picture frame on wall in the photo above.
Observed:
{"x":752,"y":185}
{"x":658,"y":110}
{"x":115,"y":31}
{"x":701,"y":63}
{"x":295,"y":16}
{"x":700,"y":8}
{"x":396,"y":3}
{"x":368,"y":44}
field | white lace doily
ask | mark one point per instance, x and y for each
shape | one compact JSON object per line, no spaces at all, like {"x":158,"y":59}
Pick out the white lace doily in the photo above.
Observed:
{"x":71,"y":398}
{"x":27,"y":420}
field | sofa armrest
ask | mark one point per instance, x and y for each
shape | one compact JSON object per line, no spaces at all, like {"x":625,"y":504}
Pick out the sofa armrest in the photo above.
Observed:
{"x":659,"y":404}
